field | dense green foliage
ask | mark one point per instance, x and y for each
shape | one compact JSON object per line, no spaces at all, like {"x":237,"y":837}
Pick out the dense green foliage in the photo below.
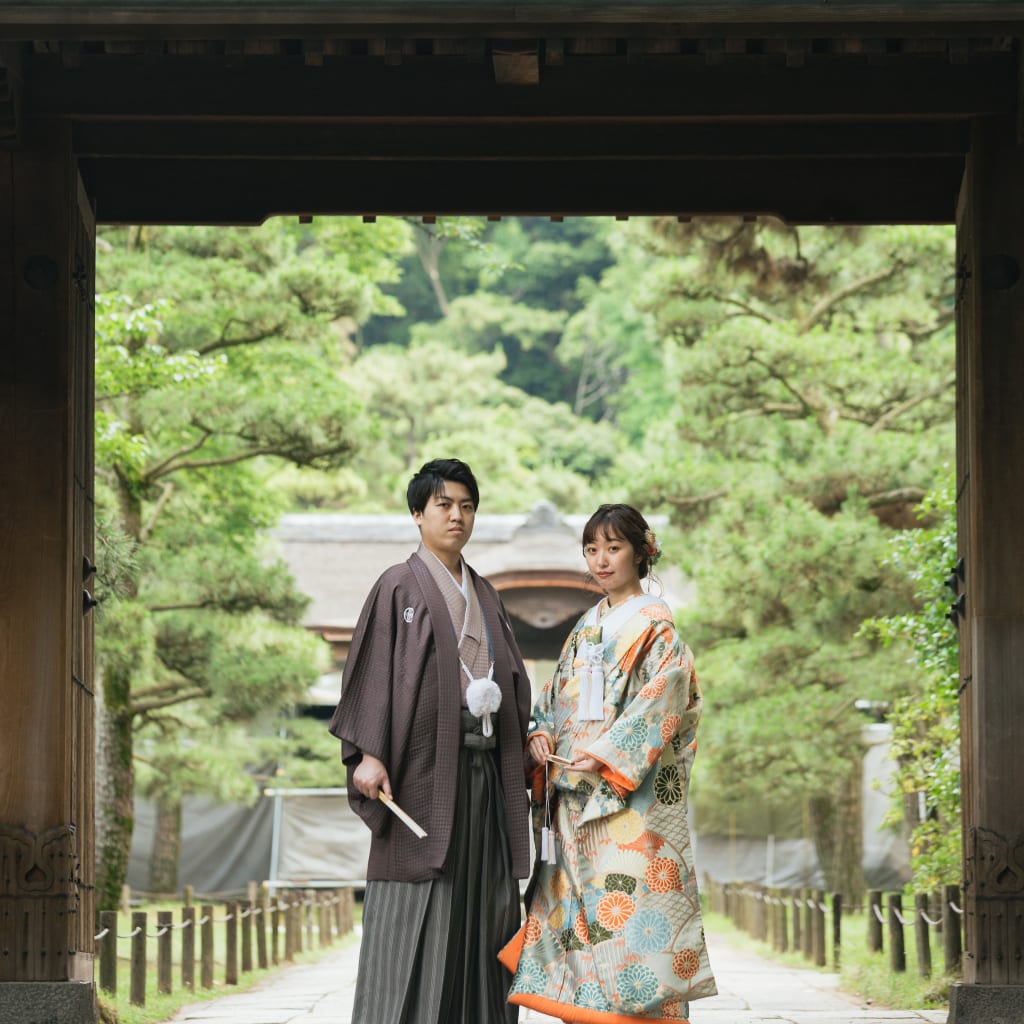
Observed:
{"x":812,"y":374}
{"x":926,"y":722}
{"x":785,"y":394}
{"x":218,"y":353}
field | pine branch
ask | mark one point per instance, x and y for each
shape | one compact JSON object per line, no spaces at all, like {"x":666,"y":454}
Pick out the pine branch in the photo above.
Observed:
{"x":227,"y":460}
{"x":159,"y":690}
{"x":185,"y":606}
{"x":165,"y":496}
{"x":145,"y":707}
{"x":246,"y":339}
{"x":160,"y":469}
{"x":827,"y":303}
{"x":758,"y":314}
{"x":887,"y":417}
{"x":807,"y":405}
{"x":694,"y":500}
{"x":900,"y":496}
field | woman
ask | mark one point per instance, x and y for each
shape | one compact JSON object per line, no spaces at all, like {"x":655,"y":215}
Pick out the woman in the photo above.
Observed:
{"x":613,"y":931}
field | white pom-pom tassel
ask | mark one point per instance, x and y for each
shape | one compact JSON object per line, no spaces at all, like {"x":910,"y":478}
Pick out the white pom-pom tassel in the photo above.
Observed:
{"x":483,"y":698}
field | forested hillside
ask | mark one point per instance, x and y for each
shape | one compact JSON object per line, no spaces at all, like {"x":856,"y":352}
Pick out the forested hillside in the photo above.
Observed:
{"x":785,"y":395}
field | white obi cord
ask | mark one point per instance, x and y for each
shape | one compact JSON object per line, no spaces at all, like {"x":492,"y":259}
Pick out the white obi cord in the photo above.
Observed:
{"x":483,"y":697}
{"x":548,"y":852}
{"x":591,"y":704}
{"x":593,"y":638}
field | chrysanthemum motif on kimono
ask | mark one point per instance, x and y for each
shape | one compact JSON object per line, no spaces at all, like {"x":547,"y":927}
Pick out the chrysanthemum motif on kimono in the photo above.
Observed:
{"x":613,"y":933}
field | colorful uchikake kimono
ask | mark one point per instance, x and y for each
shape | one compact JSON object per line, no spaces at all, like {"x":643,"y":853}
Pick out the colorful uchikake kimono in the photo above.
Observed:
{"x":613,"y":932}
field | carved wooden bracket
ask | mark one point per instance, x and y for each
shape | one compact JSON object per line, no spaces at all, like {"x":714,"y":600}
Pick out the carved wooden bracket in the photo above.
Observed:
{"x":998,"y":863}
{"x":37,"y":865}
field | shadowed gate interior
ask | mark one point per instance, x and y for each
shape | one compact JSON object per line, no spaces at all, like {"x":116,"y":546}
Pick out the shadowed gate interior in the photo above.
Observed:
{"x":228,"y":111}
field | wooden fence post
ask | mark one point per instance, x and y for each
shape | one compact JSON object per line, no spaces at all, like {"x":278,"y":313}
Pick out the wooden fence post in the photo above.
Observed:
{"x":137,"y":993}
{"x":108,"y":951}
{"x":275,"y":926}
{"x":805,"y":900}
{"x":289,"y":926}
{"x":922,"y":934}
{"x":875,"y":942}
{"x":837,"y":928}
{"x":326,"y":935}
{"x":308,"y":907}
{"x":798,"y":938}
{"x":818,"y":916}
{"x":164,"y":939}
{"x":897,"y":949}
{"x":188,"y":948}
{"x":188,"y":895}
{"x":782,"y":916}
{"x":342,"y":902}
{"x":262,"y":916}
{"x":231,"y":944}
{"x":245,"y":919}
{"x":348,"y":910}
{"x":952,"y":946}
{"x":298,"y":921}
{"x":206,"y":947}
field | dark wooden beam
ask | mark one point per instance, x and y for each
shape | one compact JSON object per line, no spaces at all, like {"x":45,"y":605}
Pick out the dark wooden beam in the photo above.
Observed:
{"x":238,"y":192}
{"x":488,"y":141}
{"x":38,"y":15}
{"x":593,"y":87}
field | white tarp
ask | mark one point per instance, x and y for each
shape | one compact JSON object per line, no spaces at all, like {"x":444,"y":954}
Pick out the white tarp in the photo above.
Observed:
{"x":316,"y":838}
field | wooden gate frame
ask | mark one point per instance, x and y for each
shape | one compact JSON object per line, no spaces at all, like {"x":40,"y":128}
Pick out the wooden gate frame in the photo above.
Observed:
{"x":226,"y":111}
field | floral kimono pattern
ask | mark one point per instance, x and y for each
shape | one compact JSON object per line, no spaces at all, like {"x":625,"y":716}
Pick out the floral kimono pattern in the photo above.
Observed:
{"x":613,"y":932}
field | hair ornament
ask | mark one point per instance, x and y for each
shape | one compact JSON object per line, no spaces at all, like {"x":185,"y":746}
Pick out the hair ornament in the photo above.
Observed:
{"x":652,"y":545}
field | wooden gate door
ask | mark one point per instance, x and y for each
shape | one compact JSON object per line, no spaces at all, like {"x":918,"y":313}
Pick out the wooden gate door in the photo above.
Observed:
{"x":990,"y":527}
{"x":47,"y":248}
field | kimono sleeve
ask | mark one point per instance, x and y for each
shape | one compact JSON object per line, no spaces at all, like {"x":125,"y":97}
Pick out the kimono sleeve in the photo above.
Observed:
{"x":543,"y":709}
{"x":362,"y":719}
{"x":667,"y":703}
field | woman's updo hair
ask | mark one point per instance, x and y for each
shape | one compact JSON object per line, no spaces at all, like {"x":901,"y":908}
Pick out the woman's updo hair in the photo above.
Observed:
{"x":624,"y":521}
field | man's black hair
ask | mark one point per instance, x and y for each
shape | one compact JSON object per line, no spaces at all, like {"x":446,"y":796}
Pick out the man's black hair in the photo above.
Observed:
{"x":429,"y":482}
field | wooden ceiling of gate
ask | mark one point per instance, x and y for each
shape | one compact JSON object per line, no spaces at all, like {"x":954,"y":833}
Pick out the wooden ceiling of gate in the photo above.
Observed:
{"x":201,"y":111}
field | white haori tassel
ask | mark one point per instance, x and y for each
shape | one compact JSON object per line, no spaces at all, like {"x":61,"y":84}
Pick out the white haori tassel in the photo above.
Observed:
{"x":483,"y":698}
{"x":591,"y":706}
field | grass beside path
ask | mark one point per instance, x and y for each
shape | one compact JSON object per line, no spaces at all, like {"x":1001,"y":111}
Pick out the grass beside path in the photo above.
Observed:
{"x":866,"y":975}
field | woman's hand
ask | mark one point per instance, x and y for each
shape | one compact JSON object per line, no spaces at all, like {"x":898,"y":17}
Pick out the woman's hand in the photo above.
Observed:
{"x":539,"y":747}
{"x":586,"y":764}
{"x":370,"y":777}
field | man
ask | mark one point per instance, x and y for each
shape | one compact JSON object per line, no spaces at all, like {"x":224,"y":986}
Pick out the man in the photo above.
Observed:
{"x":437,"y":909}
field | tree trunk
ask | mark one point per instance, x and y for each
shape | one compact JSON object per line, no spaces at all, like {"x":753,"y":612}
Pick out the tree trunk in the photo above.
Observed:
{"x":836,"y":826}
{"x":428,"y":249}
{"x":163,"y":858}
{"x":115,"y":788}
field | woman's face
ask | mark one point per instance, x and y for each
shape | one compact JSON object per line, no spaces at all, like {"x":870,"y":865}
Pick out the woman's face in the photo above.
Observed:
{"x":614,"y":564}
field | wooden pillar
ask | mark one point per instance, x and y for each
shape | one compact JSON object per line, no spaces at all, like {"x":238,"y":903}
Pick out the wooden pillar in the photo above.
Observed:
{"x":990,"y":513}
{"x":46,"y":551}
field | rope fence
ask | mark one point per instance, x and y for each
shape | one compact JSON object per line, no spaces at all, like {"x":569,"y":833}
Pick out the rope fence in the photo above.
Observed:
{"x":282,"y":926}
{"x":803,"y":919}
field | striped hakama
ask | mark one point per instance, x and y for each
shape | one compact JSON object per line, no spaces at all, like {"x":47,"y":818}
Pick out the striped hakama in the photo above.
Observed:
{"x":429,"y":949}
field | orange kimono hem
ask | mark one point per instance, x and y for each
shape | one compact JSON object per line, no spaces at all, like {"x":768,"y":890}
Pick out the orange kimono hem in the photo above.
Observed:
{"x":582,"y":1015}
{"x":509,"y":956}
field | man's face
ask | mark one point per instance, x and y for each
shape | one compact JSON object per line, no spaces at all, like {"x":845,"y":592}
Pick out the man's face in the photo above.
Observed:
{"x":446,"y":522}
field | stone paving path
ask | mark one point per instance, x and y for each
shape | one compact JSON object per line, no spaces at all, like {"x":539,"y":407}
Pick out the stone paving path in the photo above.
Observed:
{"x":752,"y":990}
